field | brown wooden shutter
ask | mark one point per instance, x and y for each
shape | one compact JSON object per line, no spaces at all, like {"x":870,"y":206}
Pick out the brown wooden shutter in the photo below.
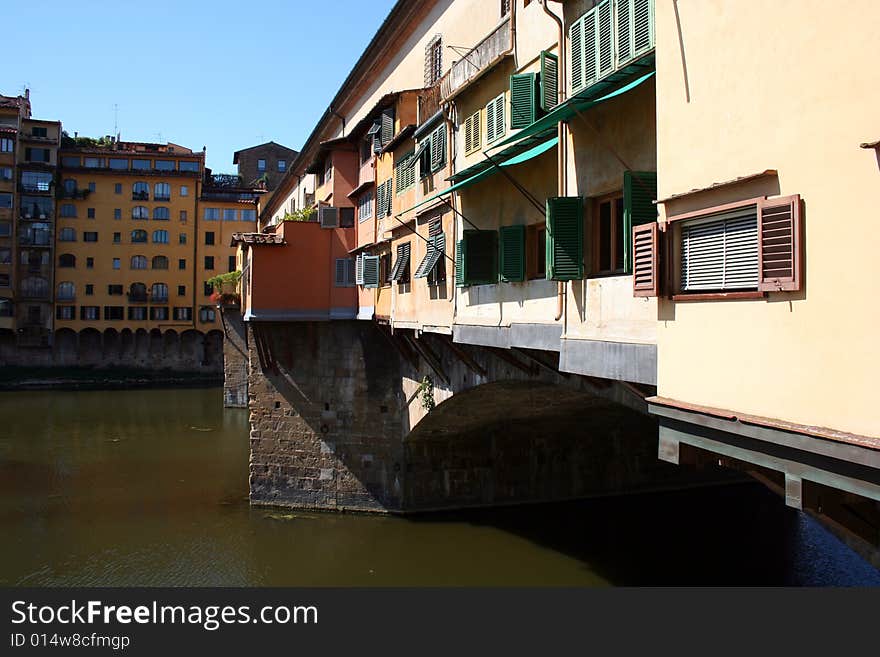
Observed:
{"x":646,"y":260}
{"x":779,"y":244}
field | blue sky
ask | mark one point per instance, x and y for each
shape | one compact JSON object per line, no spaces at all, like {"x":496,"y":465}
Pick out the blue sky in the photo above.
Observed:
{"x":226,"y":75}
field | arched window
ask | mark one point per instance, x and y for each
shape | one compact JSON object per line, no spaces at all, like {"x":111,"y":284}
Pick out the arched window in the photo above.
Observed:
{"x":161,"y":192}
{"x":67,"y":235}
{"x":140,"y":212}
{"x":70,"y":187}
{"x":137,"y":292}
{"x":138,"y":262}
{"x":138,"y":236}
{"x":160,"y":262}
{"x":66,"y":291}
{"x":159,"y":293}
{"x":140,"y":191}
{"x":161,"y":213}
{"x":160,"y":237}
{"x":34,"y":287}
{"x":67,"y":260}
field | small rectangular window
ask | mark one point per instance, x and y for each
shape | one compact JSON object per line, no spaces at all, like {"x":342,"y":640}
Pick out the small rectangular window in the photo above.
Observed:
{"x":90,"y":236}
{"x":282,"y":166}
{"x":90,"y":289}
{"x":181,"y":290}
{"x":117,"y":238}
{"x":119,"y":164}
{"x":184,"y":191}
{"x":209,"y":262}
{"x":140,"y":165}
{"x":116,"y":263}
{"x":212,"y":214}
{"x":261,"y":165}
{"x":209,"y":238}
{"x":608,"y":233}
{"x":208,"y":289}
{"x":90,"y":213}
{"x":117,"y":213}
{"x":90,"y":263}
{"x":231,"y":263}
{"x":92,"y":187}
{"x":230,"y":214}
{"x":181,"y":239}
{"x":181,"y":263}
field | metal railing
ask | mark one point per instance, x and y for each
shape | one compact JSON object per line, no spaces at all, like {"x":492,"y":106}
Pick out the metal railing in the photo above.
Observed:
{"x":477,"y":60}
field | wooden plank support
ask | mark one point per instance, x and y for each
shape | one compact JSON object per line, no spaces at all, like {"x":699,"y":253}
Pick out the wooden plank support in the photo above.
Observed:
{"x":428,"y":355}
{"x":407,"y":354}
{"x":531,"y":370}
{"x":463,"y":356}
{"x":540,"y":363}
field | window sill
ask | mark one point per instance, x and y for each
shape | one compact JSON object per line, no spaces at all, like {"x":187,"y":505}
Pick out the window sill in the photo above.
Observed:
{"x":719,"y":296}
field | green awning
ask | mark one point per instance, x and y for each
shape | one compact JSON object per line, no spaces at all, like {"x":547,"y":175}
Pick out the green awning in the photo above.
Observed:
{"x":519,"y":147}
{"x":568,"y":109}
{"x":518,"y":158}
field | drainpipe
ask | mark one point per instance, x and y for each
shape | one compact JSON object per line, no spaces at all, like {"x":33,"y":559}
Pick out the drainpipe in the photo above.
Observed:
{"x":561,"y":148}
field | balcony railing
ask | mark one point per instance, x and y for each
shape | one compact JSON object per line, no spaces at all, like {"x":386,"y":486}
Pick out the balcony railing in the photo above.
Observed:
{"x":35,"y":188}
{"x":158,"y":298}
{"x":34,"y":295}
{"x":42,"y":239}
{"x":140,"y":196}
{"x":30,"y":215}
{"x":137,"y":298}
{"x":476,"y":62}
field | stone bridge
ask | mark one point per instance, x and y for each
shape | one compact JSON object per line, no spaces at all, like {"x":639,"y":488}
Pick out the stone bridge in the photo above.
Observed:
{"x":341,"y":419}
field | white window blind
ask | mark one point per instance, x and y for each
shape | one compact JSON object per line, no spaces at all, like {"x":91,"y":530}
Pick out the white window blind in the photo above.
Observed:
{"x":720,"y":252}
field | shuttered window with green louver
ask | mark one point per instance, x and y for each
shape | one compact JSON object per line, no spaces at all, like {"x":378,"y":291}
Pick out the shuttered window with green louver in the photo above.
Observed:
{"x":565,"y":238}
{"x":523,"y":98}
{"x":386,"y":133}
{"x":549,"y":81}
{"x":512,"y":261}
{"x":495,"y":124}
{"x":459,"y":263}
{"x":639,"y":192}
{"x":478,"y":255}
{"x":371,"y":271}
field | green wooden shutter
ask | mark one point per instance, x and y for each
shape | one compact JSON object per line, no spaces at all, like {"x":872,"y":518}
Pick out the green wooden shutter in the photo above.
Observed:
{"x":459,"y":263}
{"x":522,"y":100}
{"x":387,"y":132}
{"x":549,"y":81}
{"x":576,"y":39}
{"x":480,"y":257}
{"x":371,"y":271}
{"x":512,"y":241}
{"x":438,"y":148}
{"x":639,"y":192}
{"x":565,"y":238}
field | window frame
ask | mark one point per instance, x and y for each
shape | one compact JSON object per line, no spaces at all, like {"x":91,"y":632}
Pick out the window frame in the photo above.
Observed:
{"x":614,"y":198}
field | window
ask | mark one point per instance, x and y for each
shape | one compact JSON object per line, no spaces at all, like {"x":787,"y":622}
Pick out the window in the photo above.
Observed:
{"x":5,"y":228}
{"x":92,"y":187}
{"x":65,"y":312}
{"x":117,"y":238}
{"x":67,"y":235}
{"x":43,"y":155}
{"x":720,"y":252}
{"x":261,"y":164}
{"x":608,"y":234}
{"x":7,"y":145}
{"x":209,"y":237}
{"x":66,"y":292}
{"x":345,"y":271}
{"x":36,"y":181}
{"x":183,"y":314}
{"x":140,"y":191}
{"x":117,"y":213}
{"x":140,"y":212}
{"x":68,"y":210}
{"x":476,"y":258}
{"x":230,"y":214}
{"x":39,"y":132}
{"x":207,"y":289}
{"x":536,"y":251}
{"x":138,"y":262}
{"x":433,"y":61}
{"x":181,"y":263}
{"x":183,"y":216}
{"x":328,"y":170}
{"x":159,"y":293}
{"x":6,"y":309}
{"x":181,"y":290}
{"x":565,"y":238}
{"x":184,"y":190}
{"x":161,"y":214}
{"x":433,"y":266}
{"x":93,"y":162}
{"x":160,"y":237}
{"x":159,"y":313}
{"x":405,"y":172}
{"x":472,"y":133}
{"x":6,"y":201}
{"x":137,"y":292}
{"x":400,"y":272}
{"x":160,"y":262}
{"x":282,"y":166}
{"x":431,"y":152}
{"x":90,"y":289}
{"x":230,"y":263}
{"x":140,"y":165}
{"x":209,"y":262}
{"x":212,"y":214}
{"x":5,"y":256}
{"x":248,"y":215}
{"x":181,"y":238}
{"x":161,"y":192}
{"x":5,"y":174}
{"x":138,"y":236}
{"x":113,"y":312}
{"x":495,"y":122}
{"x":192,"y":167}
{"x":4,"y":280}
{"x":365,"y":206}
{"x":90,"y":213}
{"x":505,"y":7}
{"x":90,"y":263}
{"x":90,"y":312}
{"x":114,"y":290}
{"x":606,"y":39}
{"x":164,"y":165}
{"x":119,"y":164}
{"x":137,"y":313}
{"x":207,"y":315}
{"x":66,"y":260}
{"x":116,"y":263}
{"x":117,"y":188}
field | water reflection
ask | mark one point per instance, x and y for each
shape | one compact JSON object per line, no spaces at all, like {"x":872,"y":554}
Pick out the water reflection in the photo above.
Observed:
{"x":150,"y":488}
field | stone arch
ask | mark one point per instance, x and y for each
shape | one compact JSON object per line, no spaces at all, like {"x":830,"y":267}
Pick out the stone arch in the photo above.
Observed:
{"x":8,"y":352}
{"x":126,"y":347}
{"x":156,"y":348}
{"x":112,"y":346}
{"x":90,"y":347}
{"x":141,"y":348}
{"x":212,"y":358}
{"x":170,"y":347}
{"x":65,"y":346}
{"x":191,"y":348}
